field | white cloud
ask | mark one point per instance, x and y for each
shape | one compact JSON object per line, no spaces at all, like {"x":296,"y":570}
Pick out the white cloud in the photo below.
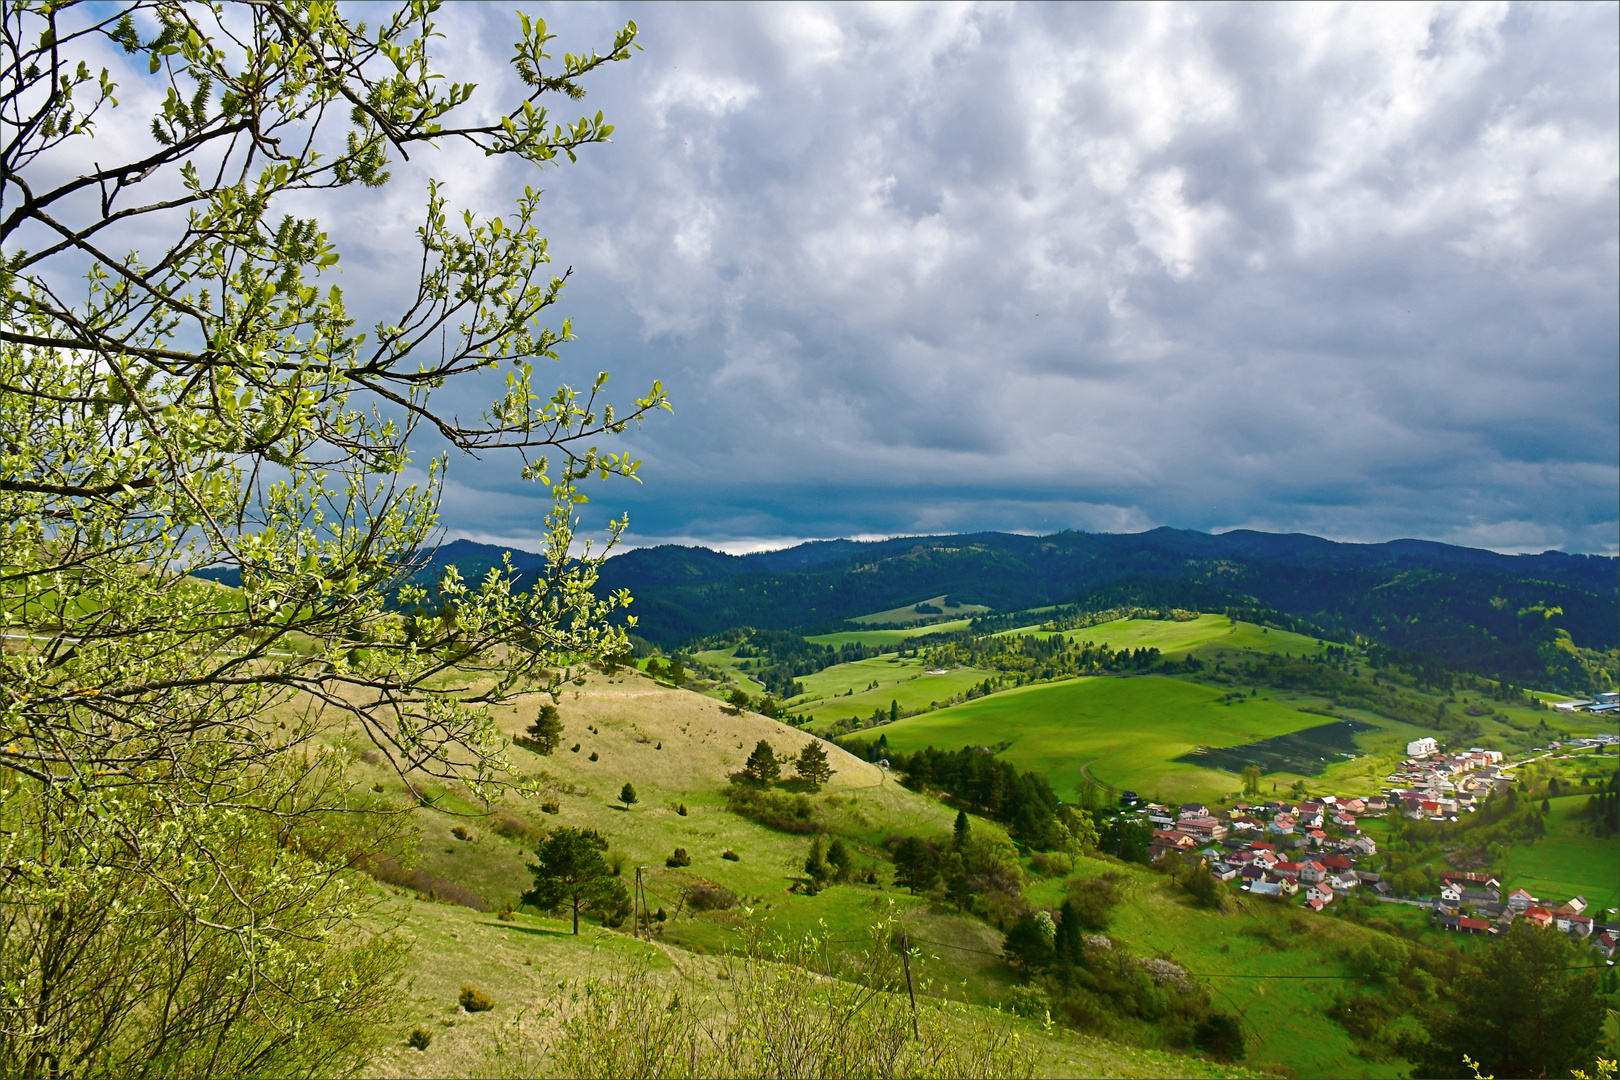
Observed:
{"x":1345,"y":268}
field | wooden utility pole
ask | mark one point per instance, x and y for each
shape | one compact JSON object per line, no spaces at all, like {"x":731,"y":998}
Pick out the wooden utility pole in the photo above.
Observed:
{"x":638,"y":906}
{"x":905,"y":959}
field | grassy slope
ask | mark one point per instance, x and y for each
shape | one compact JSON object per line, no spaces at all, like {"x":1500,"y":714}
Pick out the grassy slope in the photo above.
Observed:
{"x":521,"y":963}
{"x":1175,"y":638}
{"x":1283,"y":1018}
{"x":1568,"y":861}
{"x":887,"y":637}
{"x":906,"y":681}
{"x":906,"y":613}
{"x":1127,"y":730}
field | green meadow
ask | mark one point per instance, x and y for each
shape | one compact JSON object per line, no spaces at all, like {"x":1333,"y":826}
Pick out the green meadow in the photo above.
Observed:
{"x":907,"y":613}
{"x":1255,"y":950}
{"x":846,"y":690}
{"x":1569,"y":861}
{"x":887,"y":637}
{"x":1125,"y":732}
{"x":1174,"y":638}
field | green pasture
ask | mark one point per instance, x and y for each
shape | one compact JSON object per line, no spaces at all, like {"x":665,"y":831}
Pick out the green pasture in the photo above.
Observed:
{"x":1568,"y":861}
{"x":907,"y":613}
{"x":1249,"y":948}
{"x":1207,"y":632}
{"x":846,"y":690}
{"x":888,"y":637}
{"x":1127,"y":730}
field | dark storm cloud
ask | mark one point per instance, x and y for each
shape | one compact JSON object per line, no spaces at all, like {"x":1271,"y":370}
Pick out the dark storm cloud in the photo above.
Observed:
{"x":1348,"y":270}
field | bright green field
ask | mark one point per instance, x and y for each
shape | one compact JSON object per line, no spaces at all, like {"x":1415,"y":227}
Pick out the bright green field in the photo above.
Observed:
{"x":906,"y":681}
{"x":1204,"y":632}
{"x":1128,"y":730}
{"x":888,"y":637}
{"x":1283,"y":1018}
{"x":1568,"y":861}
{"x":908,"y":612}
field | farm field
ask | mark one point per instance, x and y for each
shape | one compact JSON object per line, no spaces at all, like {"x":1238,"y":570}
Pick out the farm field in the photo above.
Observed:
{"x":904,"y":680}
{"x":1126,"y":731}
{"x":887,"y":637}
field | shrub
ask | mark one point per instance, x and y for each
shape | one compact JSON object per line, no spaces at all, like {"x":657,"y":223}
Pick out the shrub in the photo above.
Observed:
{"x":660,"y":915}
{"x":595,"y":756}
{"x":775,"y":809}
{"x":681,"y":809}
{"x":550,"y":807}
{"x":430,"y":886}
{"x":731,"y":855}
{"x":421,"y":1038}
{"x":461,"y":832}
{"x":514,"y":827}
{"x":505,"y":914}
{"x":474,"y":1000}
{"x":1219,"y":1035}
{"x":679,"y":859}
{"x":1092,"y":901}
{"x":710,"y":898}
{"x":575,"y":748}
{"x":1051,"y":864}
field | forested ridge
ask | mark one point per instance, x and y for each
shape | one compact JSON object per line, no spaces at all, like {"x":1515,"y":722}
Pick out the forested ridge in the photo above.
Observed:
{"x":1550,"y":619}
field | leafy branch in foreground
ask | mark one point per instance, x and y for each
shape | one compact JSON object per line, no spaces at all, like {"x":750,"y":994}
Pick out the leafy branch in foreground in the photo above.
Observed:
{"x":204,"y":399}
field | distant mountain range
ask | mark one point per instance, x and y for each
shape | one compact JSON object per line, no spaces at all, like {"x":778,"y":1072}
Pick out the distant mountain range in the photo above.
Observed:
{"x":1488,"y":612}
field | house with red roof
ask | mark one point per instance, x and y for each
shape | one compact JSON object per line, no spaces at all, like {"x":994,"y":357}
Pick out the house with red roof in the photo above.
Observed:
{"x":1539,"y":916}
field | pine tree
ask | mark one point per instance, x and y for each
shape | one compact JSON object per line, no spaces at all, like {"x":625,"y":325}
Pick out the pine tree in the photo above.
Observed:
{"x":627,"y":794}
{"x":571,"y":871}
{"x":547,"y":730}
{"x":959,"y":832}
{"x":762,"y":766}
{"x":812,"y":764}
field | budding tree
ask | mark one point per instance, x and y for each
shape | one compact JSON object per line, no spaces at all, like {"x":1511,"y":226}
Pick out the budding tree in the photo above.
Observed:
{"x":183,"y":386}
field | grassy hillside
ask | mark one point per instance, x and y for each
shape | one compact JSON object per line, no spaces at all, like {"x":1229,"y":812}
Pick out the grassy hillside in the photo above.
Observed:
{"x":530,"y":964}
{"x":846,"y":690}
{"x":678,"y":749}
{"x":1124,"y":732}
{"x":887,"y":637}
{"x":1570,"y":861}
{"x":1254,"y":954}
{"x":908,"y":613}
{"x":1205,"y":632}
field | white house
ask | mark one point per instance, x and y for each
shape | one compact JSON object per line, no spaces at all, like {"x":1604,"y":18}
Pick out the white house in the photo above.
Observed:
{"x":1421,"y":747}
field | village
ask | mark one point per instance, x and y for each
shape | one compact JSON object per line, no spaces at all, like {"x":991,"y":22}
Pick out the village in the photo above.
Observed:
{"x":1313,"y":848}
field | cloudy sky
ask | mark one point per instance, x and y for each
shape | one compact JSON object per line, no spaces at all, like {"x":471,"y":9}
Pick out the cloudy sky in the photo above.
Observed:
{"x":1349,"y":270}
